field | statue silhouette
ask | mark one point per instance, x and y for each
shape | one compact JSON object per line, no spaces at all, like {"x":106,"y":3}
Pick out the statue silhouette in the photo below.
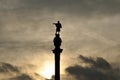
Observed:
{"x":58,"y":26}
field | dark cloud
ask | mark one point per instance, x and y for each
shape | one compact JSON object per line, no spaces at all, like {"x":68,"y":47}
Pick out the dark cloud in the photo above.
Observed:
{"x":5,"y":67}
{"x":22,"y":77}
{"x":96,"y":63}
{"x":99,"y":69}
{"x":11,"y":72}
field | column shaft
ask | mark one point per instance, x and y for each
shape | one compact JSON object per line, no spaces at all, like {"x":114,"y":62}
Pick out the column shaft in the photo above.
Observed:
{"x":57,"y":66}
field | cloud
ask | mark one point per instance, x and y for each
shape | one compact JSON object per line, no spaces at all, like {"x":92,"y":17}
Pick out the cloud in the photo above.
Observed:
{"x":22,"y":77}
{"x":98,"y":69}
{"x":82,"y":7}
{"x":5,"y":67}
{"x":111,"y":53}
{"x":98,"y":63}
{"x":11,"y":72}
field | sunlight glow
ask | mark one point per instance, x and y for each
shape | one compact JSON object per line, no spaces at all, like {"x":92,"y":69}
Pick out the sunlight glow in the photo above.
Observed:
{"x":48,"y":70}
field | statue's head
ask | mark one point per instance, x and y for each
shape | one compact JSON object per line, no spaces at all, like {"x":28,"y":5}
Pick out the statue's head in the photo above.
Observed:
{"x":58,"y":21}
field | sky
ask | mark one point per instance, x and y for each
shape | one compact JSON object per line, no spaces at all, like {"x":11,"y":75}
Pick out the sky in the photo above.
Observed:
{"x":91,"y":29}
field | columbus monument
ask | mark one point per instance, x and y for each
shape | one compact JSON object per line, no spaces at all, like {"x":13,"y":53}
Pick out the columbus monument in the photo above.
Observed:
{"x":57,"y":50}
